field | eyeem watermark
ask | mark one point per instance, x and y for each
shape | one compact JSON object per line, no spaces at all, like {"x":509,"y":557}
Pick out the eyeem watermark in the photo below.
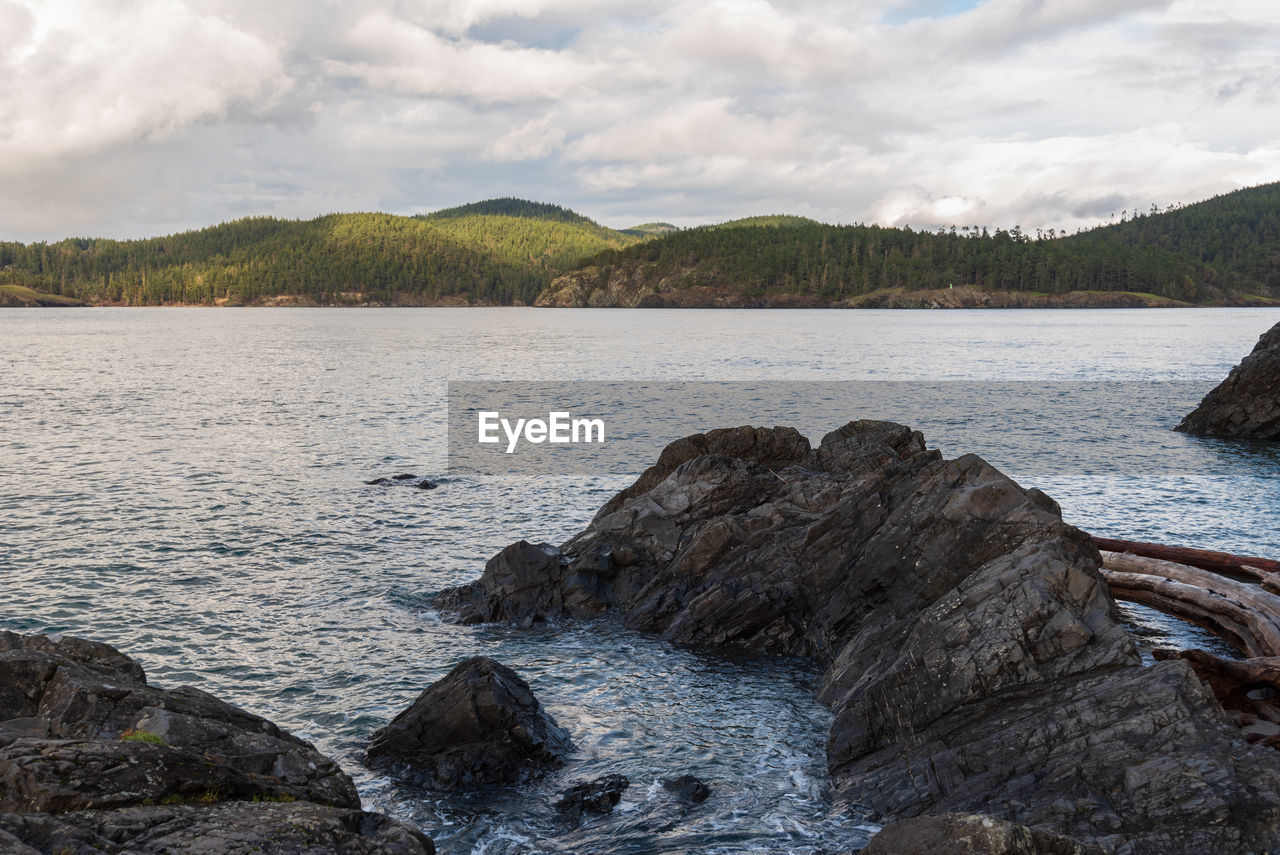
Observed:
{"x":559,"y":428}
{"x":1031,"y":429}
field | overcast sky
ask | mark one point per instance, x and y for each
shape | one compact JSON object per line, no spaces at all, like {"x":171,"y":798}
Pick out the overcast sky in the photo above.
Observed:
{"x":128,"y":119}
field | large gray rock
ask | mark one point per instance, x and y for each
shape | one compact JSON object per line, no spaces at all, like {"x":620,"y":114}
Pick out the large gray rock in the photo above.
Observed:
{"x":970,"y":834}
{"x":480,"y":725}
{"x":224,"y":828}
{"x":89,"y":750}
{"x":1247,"y":404}
{"x":975,"y":660}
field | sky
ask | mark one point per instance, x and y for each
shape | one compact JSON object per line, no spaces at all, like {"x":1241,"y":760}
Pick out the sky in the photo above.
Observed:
{"x":130,"y":118}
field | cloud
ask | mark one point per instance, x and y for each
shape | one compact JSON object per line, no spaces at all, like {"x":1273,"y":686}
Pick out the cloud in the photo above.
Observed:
{"x":82,"y":77}
{"x":136,"y":116}
{"x":405,"y":58}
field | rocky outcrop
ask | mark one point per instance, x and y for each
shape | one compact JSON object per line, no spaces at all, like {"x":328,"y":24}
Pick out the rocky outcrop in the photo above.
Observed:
{"x":638,"y":286}
{"x":92,"y":756}
{"x":975,"y":660}
{"x":1247,"y":404}
{"x":970,"y":834}
{"x":478,"y":726}
{"x":600,"y":796}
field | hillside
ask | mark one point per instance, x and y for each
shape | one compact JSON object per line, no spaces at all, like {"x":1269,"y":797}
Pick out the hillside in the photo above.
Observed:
{"x":1224,"y":251}
{"x":778,"y":220}
{"x":1235,"y":233}
{"x":498,"y":252}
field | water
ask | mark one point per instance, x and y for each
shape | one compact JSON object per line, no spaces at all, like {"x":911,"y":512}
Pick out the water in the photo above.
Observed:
{"x":188,"y":485}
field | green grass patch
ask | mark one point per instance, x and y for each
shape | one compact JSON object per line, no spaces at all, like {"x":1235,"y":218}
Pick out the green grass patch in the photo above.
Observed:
{"x":21,"y":295}
{"x":132,"y":735}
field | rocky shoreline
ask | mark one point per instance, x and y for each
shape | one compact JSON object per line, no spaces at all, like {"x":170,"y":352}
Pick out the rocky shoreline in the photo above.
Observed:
{"x":975,"y":660}
{"x":589,"y":288}
{"x":1246,"y":405}
{"x":986,"y":696}
{"x":95,"y":760}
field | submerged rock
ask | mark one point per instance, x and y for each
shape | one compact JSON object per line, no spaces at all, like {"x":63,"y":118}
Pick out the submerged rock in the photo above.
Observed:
{"x":687,"y":788}
{"x":969,"y":834}
{"x":975,"y":659}
{"x":600,"y":796}
{"x":403,"y":478}
{"x":478,"y":726}
{"x":1247,"y":404}
{"x":94,"y":759}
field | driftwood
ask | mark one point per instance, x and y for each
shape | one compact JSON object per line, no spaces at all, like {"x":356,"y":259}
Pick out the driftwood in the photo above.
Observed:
{"x":1231,"y":680}
{"x":1244,"y":614}
{"x":1206,"y":559}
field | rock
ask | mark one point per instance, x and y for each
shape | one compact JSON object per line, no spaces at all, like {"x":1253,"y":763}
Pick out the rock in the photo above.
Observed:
{"x":599,"y":796}
{"x":687,"y":788}
{"x":1247,"y":404}
{"x":225,"y":828}
{"x":478,"y":726}
{"x":88,"y":750}
{"x":404,"y":478}
{"x":974,"y":657}
{"x":970,"y":834}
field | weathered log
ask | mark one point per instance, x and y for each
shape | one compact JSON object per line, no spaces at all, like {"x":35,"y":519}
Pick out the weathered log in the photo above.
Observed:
{"x":1192,"y":604}
{"x":1231,"y":680}
{"x":1243,"y":613}
{"x":1221,"y":562}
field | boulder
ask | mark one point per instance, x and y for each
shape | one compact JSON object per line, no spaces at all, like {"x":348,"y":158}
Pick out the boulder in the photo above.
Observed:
{"x":223,"y":828}
{"x":1247,"y":404}
{"x":974,"y":657}
{"x":478,"y":726}
{"x":687,"y":788}
{"x":970,"y":834}
{"x":89,"y":750}
{"x":600,"y":796}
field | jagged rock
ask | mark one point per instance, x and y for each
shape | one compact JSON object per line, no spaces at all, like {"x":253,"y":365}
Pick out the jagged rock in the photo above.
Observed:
{"x":226,"y":828}
{"x":480,"y":725}
{"x":90,"y":752}
{"x":969,"y":834}
{"x":975,"y":659}
{"x":599,"y":796}
{"x":687,"y":788}
{"x":1247,"y":404}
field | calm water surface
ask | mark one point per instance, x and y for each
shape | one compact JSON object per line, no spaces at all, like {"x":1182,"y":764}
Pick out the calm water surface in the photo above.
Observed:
{"x":188,"y":485}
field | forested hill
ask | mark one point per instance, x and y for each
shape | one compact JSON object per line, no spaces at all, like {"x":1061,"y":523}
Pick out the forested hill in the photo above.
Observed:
{"x":501,"y":251}
{"x":1235,"y":233}
{"x":1223,"y":251}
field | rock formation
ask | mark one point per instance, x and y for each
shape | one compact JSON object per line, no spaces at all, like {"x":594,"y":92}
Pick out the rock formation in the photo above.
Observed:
{"x":479,"y":725}
{"x":92,"y":759}
{"x":600,"y":796}
{"x":969,"y":834}
{"x":975,"y":660}
{"x":687,"y":788}
{"x":1247,"y":404}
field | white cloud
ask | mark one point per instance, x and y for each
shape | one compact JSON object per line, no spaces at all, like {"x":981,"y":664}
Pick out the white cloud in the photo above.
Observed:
{"x":83,"y":76}
{"x":1045,"y":113}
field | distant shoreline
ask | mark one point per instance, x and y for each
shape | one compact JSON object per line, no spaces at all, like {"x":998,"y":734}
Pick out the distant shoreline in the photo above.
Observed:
{"x":957,"y":298}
